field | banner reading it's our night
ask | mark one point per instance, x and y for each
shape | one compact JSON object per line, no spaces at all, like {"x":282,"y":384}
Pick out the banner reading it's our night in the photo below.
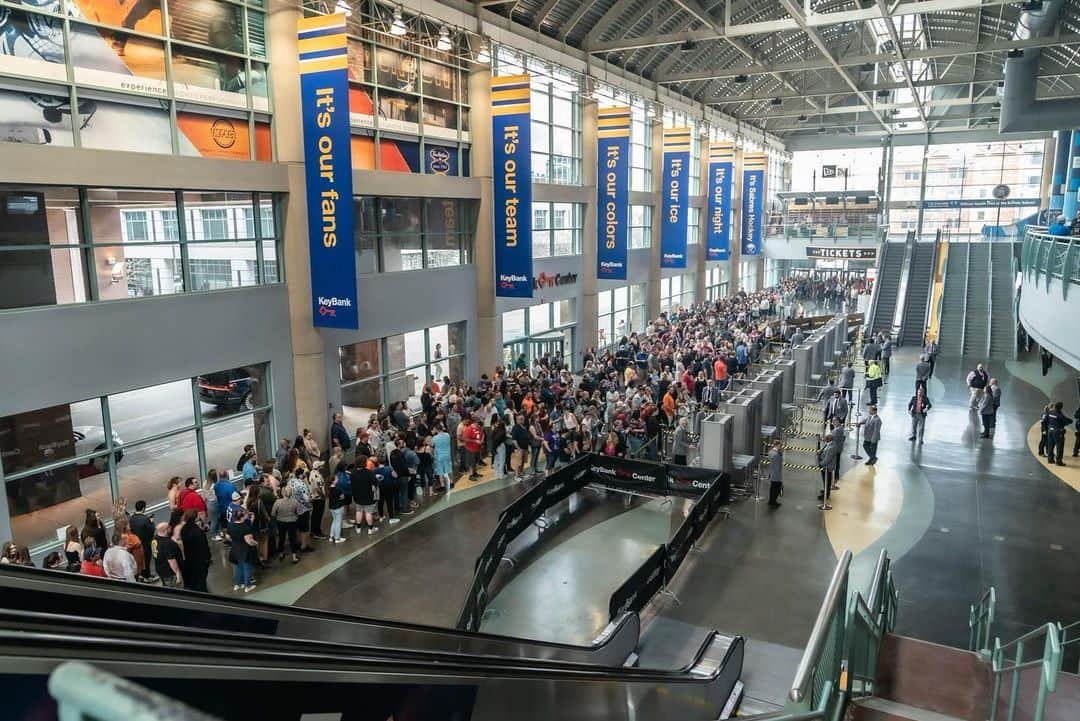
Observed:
{"x":324,"y":105}
{"x":718,"y":209}
{"x":512,"y":170}
{"x":613,"y":192}
{"x":676,"y":197}
{"x":753,"y":201}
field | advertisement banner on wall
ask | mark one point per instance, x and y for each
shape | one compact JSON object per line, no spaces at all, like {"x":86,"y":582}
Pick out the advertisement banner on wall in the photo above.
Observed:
{"x":512,"y":166}
{"x":753,"y":201}
{"x":676,"y":197}
{"x":613,"y":192}
{"x":324,"y":104}
{"x":718,"y":210}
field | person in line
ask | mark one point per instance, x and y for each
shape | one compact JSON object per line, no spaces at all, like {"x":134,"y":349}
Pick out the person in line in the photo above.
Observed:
{"x":1044,"y":428}
{"x":190,"y":499}
{"x":922,"y":373}
{"x":167,"y":557}
{"x":384,"y":475}
{"x":847,"y":382}
{"x":836,"y":407}
{"x":473,"y":437}
{"x":301,"y":492}
{"x":680,"y":444}
{"x":1060,"y":226}
{"x":1056,"y":423}
{"x":142,"y":525}
{"x":871,"y":433}
{"x":244,"y":552}
{"x":93,"y":527}
{"x":286,"y":511}
{"x":130,"y":542}
{"x":776,"y":474}
{"x":976,"y":381}
{"x":886,"y":355}
{"x":871,"y":351}
{"x":839,"y":435}
{"x":339,"y":435}
{"x":399,"y":464}
{"x":499,"y":444}
{"x":985,"y":405}
{"x":118,"y":562}
{"x":826,"y":462}
{"x":918,"y":407}
{"x":316,"y":484}
{"x":365,"y":489}
{"x":91,"y":563}
{"x":337,"y":503}
{"x":442,"y":468}
{"x":873,"y":381}
{"x":197,"y":559}
{"x":73,"y":549}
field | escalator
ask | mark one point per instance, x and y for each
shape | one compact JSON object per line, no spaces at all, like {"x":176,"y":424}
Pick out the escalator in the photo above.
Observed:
{"x":237,"y":677}
{"x":887,"y":286}
{"x":916,"y":300}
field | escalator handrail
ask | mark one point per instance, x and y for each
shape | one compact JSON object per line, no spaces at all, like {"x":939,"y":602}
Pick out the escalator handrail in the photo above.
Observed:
{"x":55,"y":623}
{"x":82,"y":645}
{"x":245,"y":605}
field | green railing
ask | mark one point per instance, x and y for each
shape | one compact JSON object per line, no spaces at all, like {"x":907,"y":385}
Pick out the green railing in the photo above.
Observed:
{"x":980,"y":617}
{"x":85,"y":693}
{"x":1008,"y":662}
{"x":1048,"y":257}
{"x":837,"y":233}
{"x":1070,"y":635}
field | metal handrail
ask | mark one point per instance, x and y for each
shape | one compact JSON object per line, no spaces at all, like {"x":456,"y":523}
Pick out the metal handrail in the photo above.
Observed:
{"x":1050,"y":664}
{"x":989,"y":298}
{"x":967,"y":284}
{"x":1064,"y":632}
{"x":804,"y":673}
{"x":941,"y":298}
{"x":881,"y":568}
{"x":85,"y":693}
{"x":1054,"y":256}
{"x":1015,"y":306}
{"x":980,"y":618}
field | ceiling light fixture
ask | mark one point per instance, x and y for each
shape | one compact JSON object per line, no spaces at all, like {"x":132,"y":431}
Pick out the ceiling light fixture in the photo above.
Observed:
{"x":802,"y":118}
{"x":444,"y":43}
{"x":741,"y":78}
{"x":397,"y":28}
{"x":483,"y":55}
{"x":777,"y":101}
{"x":342,"y":8}
{"x":688,"y":45}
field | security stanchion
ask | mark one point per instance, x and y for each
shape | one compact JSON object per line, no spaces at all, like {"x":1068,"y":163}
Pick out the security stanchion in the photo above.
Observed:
{"x":858,"y":431}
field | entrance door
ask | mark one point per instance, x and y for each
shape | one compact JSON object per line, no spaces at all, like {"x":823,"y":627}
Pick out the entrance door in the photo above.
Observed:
{"x":551,"y":347}
{"x":511,"y":351}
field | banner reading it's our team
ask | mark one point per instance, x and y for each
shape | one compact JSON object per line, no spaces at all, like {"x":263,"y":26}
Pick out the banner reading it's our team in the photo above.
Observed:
{"x":753,"y":201}
{"x":613,"y":192}
{"x":324,"y":103}
{"x":512,"y":168}
{"x":718,"y":210}
{"x":676,"y":197}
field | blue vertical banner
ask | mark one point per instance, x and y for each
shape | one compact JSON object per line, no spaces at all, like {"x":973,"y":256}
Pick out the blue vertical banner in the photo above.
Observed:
{"x":753,"y":201}
{"x":512,"y":171}
{"x":324,"y":109}
{"x":718,"y":203}
{"x":613,"y":192}
{"x":676,"y":196}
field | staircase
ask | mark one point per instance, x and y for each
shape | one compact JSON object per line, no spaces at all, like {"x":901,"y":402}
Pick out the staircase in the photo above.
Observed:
{"x":920,"y":278}
{"x":888,"y":286}
{"x":977,"y":322}
{"x":951,"y":331}
{"x":1003,"y":291}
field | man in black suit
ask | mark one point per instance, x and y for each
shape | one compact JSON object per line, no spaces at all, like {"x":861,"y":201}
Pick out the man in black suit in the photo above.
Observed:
{"x":837,"y":407}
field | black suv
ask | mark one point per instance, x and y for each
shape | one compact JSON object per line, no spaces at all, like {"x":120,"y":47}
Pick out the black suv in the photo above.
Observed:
{"x":229,"y":390}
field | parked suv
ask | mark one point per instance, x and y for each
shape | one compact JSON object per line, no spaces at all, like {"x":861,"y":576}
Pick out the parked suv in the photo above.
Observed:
{"x":228,"y":390}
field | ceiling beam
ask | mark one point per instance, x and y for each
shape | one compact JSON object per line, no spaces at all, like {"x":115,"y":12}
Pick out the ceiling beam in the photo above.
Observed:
{"x":542,"y":13}
{"x":607,"y":20}
{"x":890,"y":27}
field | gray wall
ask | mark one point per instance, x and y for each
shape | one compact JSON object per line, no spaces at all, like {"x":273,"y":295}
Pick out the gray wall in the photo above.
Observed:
{"x":1051,"y":321}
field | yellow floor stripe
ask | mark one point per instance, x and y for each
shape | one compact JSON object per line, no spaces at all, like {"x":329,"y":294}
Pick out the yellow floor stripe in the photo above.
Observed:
{"x":1070,"y":472}
{"x":867,"y":504}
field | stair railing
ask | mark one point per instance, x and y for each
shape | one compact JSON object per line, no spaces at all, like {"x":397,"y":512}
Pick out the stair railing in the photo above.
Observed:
{"x":868,"y":622}
{"x":935,"y":320}
{"x":967,"y":291}
{"x":1008,"y":660}
{"x":871,"y":308}
{"x":907,"y":265}
{"x":980,"y":617}
{"x":85,"y":693}
{"x":989,"y":297}
{"x":1069,"y":635}
{"x":1014,"y":306}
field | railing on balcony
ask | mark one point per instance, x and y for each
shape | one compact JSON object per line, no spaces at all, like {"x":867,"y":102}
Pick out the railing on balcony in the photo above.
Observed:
{"x":837,"y":233}
{"x":1046,"y":257}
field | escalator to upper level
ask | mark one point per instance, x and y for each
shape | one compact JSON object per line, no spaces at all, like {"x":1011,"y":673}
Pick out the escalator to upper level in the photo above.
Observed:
{"x":916,"y":299}
{"x":236,"y":676}
{"x":888,"y":286}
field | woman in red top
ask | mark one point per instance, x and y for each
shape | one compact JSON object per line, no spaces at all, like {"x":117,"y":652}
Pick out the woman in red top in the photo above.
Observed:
{"x":91,"y":565}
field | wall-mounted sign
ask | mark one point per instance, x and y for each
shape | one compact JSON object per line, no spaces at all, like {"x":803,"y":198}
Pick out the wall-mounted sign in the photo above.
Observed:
{"x":981,"y":203}
{"x":753,"y":201}
{"x":613,"y":192}
{"x":718,"y":210}
{"x":552,"y":280}
{"x":828,"y":171}
{"x":676,"y":196}
{"x":834,"y":252}
{"x":512,"y":166}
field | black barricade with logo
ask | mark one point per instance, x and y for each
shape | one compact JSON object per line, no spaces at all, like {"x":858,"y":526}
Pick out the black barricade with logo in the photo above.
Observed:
{"x":567,"y":480}
{"x":636,"y":591}
{"x":520,"y":514}
{"x":488,"y":560}
{"x":694,"y":482}
{"x":629,"y":475}
{"x":680,"y":543}
{"x":475,"y":603}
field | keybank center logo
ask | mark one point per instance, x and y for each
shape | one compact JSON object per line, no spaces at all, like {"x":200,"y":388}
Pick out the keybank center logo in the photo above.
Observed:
{"x":328,"y":306}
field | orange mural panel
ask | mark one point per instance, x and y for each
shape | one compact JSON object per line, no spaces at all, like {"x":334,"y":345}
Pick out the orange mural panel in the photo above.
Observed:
{"x":363,"y":152}
{"x":218,"y":137}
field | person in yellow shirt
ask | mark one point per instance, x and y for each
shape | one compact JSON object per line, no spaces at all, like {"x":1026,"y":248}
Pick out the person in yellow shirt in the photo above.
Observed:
{"x":873,"y":381}
{"x":629,"y":375}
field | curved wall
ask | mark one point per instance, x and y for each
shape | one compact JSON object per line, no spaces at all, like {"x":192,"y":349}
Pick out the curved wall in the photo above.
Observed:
{"x":1049,"y":319}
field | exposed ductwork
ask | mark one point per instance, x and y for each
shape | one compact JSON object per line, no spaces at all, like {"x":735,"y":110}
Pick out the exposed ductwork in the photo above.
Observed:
{"x":1020,"y":112}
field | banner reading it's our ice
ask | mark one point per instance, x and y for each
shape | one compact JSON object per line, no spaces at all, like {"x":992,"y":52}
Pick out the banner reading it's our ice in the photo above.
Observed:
{"x":718,"y":211}
{"x":676,"y":197}
{"x":753,"y":201}
{"x":324,"y":107}
{"x":512,"y":170}
{"x":613,"y":192}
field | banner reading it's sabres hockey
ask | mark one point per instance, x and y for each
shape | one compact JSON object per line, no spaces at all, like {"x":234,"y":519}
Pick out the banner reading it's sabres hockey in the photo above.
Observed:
{"x":753,"y":200}
{"x":718,"y":209}
{"x":613,"y":192}
{"x":324,"y":106}
{"x":676,"y":198}
{"x":512,"y":170}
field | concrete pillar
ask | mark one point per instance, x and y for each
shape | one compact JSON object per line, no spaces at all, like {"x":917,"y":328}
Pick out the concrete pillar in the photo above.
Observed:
{"x":697,"y":262}
{"x":652,"y":305}
{"x":589,"y":312}
{"x":1062,"y":143}
{"x":1072,"y":181}
{"x":309,"y":376}
{"x":488,"y":322}
{"x":736,"y":224}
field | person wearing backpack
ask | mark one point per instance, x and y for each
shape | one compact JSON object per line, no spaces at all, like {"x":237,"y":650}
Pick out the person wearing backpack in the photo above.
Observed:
{"x":976,"y":381}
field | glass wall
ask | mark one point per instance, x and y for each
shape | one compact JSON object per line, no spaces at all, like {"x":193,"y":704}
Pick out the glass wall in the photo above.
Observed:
{"x":855,"y":169}
{"x":75,"y":245}
{"x":382,"y":371}
{"x":677,"y":119}
{"x":190,"y":77}
{"x":640,"y":147}
{"x":394,"y":234}
{"x":748,"y":274}
{"x":622,"y":312}
{"x":640,"y":226}
{"x":61,"y":460}
{"x":676,"y":291}
{"x":539,"y":331}
{"x":716,"y":282}
{"x":557,"y":229}
{"x":693,"y":225}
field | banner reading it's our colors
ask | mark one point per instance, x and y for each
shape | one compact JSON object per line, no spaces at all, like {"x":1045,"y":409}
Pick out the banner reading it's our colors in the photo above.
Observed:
{"x":512,"y":170}
{"x":718,"y":210}
{"x":324,"y":105}
{"x":676,"y":197}
{"x":753,"y":201}
{"x":613,"y":192}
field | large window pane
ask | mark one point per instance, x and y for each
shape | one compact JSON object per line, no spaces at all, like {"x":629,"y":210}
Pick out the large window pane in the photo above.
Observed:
{"x":149,"y":411}
{"x":234,"y":390}
{"x":215,"y":266}
{"x":513,"y":325}
{"x":359,"y":360}
{"x":147,"y":467}
{"x":225,"y":440}
{"x":539,"y":318}
{"x":456,"y":338}
{"x":405,"y":350}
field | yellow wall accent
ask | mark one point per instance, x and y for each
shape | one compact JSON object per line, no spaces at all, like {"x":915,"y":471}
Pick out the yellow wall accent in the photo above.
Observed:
{"x":936,"y":291}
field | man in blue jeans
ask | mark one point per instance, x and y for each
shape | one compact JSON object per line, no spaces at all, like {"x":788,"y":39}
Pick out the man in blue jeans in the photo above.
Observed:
{"x":399,"y":462}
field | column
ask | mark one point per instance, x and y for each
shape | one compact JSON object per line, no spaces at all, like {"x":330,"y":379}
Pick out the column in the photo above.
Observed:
{"x":652,"y":305}
{"x":1062,"y":144}
{"x":703,"y":218}
{"x":488,"y":325}
{"x":308,"y":358}
{"x":736,"y":224}
{"x":1072,"y":177}
{"x":589,"y":312}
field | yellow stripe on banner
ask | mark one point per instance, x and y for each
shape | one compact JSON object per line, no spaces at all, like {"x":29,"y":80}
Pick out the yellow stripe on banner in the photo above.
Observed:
{"x":318,"y":22}
{"x":322,"y":64}
{"x":613,"y":133}
{"x":521,"y":94}
{"x":510,"y":109}
{"x":327,"y":42}
{"x":508,"y":80}
{"x":676,"y":147}
{"x":613,"y":121}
